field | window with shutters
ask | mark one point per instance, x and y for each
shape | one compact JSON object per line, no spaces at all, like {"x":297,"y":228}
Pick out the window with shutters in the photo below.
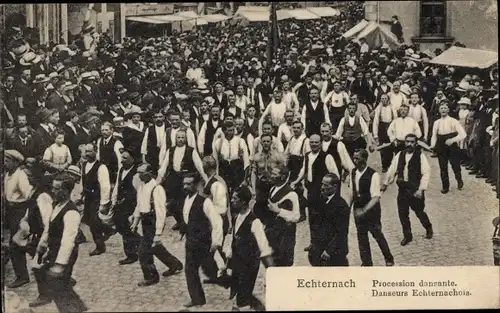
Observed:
{"x":433,"y":18}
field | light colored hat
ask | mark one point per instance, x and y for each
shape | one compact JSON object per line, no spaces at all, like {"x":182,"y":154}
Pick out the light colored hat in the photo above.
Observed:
{"x":464,"y":100}
{"x":350,"y":64}
{"x":14,"y":154}
{"x":53,"y":75}
{"x":405,"y":89}
{"x":69,"y":86}
{"x":86,"y":54}
{"x":87,"y":76}
{"x":95,"y":74}
{"x":134,"y":111}
{"x":463,"y":86}
{"x":29,"y":58}
{"x":74,"y":170}
{"x":40,"y":78}
{"x":109,"y":70}
{"x":409,"y":51}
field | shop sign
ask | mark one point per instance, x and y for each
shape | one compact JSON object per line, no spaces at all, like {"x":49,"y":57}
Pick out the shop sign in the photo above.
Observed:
{"x":132,"y":9}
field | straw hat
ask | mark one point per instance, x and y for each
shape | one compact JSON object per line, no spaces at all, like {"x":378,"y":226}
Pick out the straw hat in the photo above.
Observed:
{"x":14,"y":154}
{"x":464,"y":100}
{"x":30,"y":58}
{"x":40,"y":78}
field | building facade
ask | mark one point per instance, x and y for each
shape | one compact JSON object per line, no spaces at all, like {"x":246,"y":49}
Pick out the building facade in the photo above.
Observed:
{"x":436,"y":23}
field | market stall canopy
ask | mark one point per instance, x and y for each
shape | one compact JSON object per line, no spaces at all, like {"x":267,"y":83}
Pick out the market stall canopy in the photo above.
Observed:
{"x":260,"y":15}
{"x":302,"y":14}
{"x":375,"y":34}
{"x":324,"y":11}
{"x":170,"y":18}
{"x":146,"y":19}
{"x":193,"y":17}
{"x":215,"y":18}
{"x":466,"y":57}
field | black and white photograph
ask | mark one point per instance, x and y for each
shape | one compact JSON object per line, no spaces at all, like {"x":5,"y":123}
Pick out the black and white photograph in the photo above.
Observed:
{"x":163,"y":156}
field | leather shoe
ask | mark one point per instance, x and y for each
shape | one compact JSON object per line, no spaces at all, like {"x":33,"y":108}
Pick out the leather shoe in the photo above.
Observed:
{"x":489,"y":180}
{"x":444,"y":191}
{"x":470,"y":167}
{"x":18,"y":283}
{"x":429,"y":233}
{"x":390,"y":263}
{"x":307,"y":248}
{"x":148,"y":282}
{"x":176,"y":226}
{"x":460,"y":185}
{"x":191,"y":304}
{"x":127,"y":261}
{"x":474,"y":172}
{"x":406,"y":241}
{"x":481,"y":175}
{"x":172,"y":271}
{"x":39,"y":302}
{"x":97,"y":251}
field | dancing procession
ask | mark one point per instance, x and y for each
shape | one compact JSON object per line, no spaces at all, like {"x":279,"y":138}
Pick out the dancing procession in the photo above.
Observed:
{"x":263,"y":139}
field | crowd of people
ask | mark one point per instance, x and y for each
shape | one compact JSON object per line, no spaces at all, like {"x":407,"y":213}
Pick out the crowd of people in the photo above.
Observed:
{"x":198,"y":126}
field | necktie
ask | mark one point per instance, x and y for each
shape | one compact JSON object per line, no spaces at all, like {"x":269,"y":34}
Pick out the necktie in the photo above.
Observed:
{"x":24,"y":141}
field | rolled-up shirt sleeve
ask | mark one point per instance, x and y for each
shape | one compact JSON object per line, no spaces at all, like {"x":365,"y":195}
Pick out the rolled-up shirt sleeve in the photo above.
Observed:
{"x":293,"y":215}
{"x":71,"y":222}
{"x":375,"y":185}
{"x":45,"y":205}
{"x":331,"y":166}
{"x":260,"y":236}
{"x":104,"y":184}
{"x":344,"y":157}
{"x":215,"y":221}
{"x":426,"y":172}
{"x":160,"y":199}
{"x":219,"y":195}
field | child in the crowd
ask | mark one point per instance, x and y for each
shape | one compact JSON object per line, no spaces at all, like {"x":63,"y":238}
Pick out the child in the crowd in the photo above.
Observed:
{"x":463,"y":115}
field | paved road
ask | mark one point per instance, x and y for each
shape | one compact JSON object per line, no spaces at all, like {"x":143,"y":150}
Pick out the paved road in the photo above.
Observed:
{"x":462,"y":226}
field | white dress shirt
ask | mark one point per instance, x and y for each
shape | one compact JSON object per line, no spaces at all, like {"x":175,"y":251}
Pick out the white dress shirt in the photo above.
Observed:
{"x":419,"y":114}
{"x":384,"y":114}
{"x":291,"y":101}
{"x":401,"y":127}
{"x":285,"y":132}
{"x":329,"y":162}
{"x":71,"y":222}
{"x":289,"y":216}
{"x":191,"y":141}
{"x":242,"y":102}
{"x":275,"y":145}
{"x":17,"y":187}
{"x":345,"y":159}
{"x":202,"y":134}
{"x":177,"y":161}
{"x":234,"y":149}
{"x":337,"y":100}
{"x":397,"y":99}
{"x":212,"y":215}
{"x":103,"y":178}
{"x":218,"y":194}
{"x":447,"y":125}
{"x":144,"y":193}
{"x":257,"y":230}
{"x":314,"y":105}
{"x":374,"y":185}
{"x":424,"y":165}
{"x":277,"y":113}
{"x":160,"y":138}
{"x":298,"y":146}
{"x":351,"y":121}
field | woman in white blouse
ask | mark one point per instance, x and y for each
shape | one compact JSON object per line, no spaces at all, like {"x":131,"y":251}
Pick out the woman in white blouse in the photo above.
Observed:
{"x":57,"y":157}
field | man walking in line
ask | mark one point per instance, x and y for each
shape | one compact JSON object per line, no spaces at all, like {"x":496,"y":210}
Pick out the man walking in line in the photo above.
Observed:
{"x":365,"y":186}
{"x":151,"y":212}
{"x":413,"y":173}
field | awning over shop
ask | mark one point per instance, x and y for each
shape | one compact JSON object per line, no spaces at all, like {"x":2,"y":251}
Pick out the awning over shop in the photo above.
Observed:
{"x":466,"y":57}
{"x":324,"y":11}
{"x":253,"y":16}
{"x":146,"y":19}
{"x":170,"y":18}
{"x":302,"y":14}
{"x":355,"y":30}
{"x":375,"y":34}
{"x":215,"y":18}
{"x":193,"y":17}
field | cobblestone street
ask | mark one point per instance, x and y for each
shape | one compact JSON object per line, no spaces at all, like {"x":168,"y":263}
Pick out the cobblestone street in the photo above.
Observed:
{"x":462,"y":236}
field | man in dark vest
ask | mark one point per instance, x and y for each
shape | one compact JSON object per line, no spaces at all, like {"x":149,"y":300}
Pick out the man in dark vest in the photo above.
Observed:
{"x":297,"y":147}
{"x":153,"y":139}
{"x":329,"y":240}
{"x":337,"y":150}
{"x":446,"y":133}
{"x":365,"y":186}
{"x":151,"y":212}
{"x":96,"y":196}
{"x":251,"y":125}
{"x":109,"y":150}
{"x":208,"y":130}
{"x":203,"y":228}
{"x":336,"y":101}
{"x":314,"y":113}
{"x":413,"y":173}
{"x":316,"y":164}
{"x":123,"y":200}
{"x":384,"y":115}
{"x":57,"y":256}
{"x":284,"y":204}
{"x":179,"y":159}
{"x":249,"y":246}
{"x":352,"y":130}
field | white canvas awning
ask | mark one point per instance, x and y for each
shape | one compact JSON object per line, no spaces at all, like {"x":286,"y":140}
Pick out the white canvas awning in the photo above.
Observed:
{"x":355,"y":30}
{"x":302,"y":14}
{"x":215,"y":18}
{"x":324,"y":11}
{"x":253,"y":16}
{"x":193,"y":17}
{"x":466,"y":57}
{"x":146,"y":19}
{"x":170,"y":18}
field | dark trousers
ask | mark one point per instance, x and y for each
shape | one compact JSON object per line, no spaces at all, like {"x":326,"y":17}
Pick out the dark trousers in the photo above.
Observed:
{"x":373,"y":226}
{"x":406,"y":200}
{"x":315,"y":259}
{"x":147,"y":252}
{"x":14,"y":214}
{"x":60,"y":290}
{"x":91,"y":218}
{"x":198,"y":255}
{"x":244,"y":276}
{"x":387,"y":153}
{"x":351,"y":146}
{"x":130,"y":239}
{"x":282,"y":240}
{"x":313,"y":199}
{"x":449,"y":154}
{"x":173,"y":184}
